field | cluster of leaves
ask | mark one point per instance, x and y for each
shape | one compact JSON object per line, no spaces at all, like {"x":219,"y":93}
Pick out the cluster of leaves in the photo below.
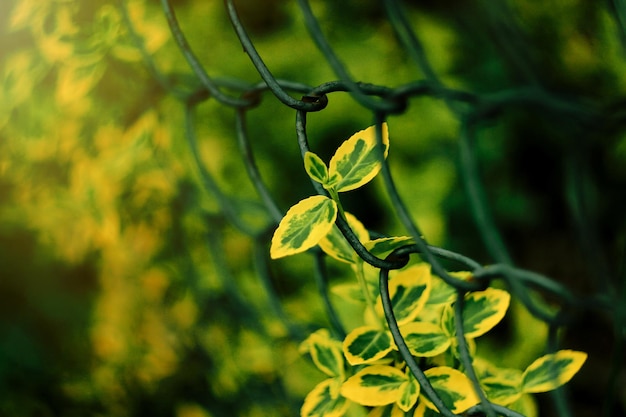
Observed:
{"x":89,"y":141}
{"x":366,"y":367}
{"x":92,"y":169}
{"x":84,"y":170}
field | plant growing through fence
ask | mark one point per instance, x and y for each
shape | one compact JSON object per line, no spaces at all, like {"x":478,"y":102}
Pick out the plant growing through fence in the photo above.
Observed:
{"x":419,"y":324}
{"x":366,"y":367}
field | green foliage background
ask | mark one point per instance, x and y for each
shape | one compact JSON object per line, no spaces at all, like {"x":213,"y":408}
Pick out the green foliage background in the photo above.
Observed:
{"x":123,"y":289}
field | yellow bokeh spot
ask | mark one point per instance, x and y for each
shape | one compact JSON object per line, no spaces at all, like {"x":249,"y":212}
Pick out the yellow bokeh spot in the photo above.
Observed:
{"x":185,"y":312}
{"x":108,"y":341}
{"x":191,"y":410}
{"x":154,"y":284}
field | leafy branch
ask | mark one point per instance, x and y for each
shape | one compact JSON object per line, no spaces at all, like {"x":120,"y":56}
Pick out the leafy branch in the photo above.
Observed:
{"x":416,"y":316}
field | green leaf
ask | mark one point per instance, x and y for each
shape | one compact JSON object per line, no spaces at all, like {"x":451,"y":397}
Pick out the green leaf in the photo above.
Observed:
{"x":357,"y":161}
{"x":552,"y":370}
{"x":324,"y":400}
{"x":410,"y":393}
{"x":349,"y":292}
{"x":316,"y":168}
{"x":78,"y":77}
{"x":504,"y":387}
{"x":335,"y":245}
{"x":447,"y":321}
{"x":367,"y":344}
{"x":425,"y":339}
{"x":368,"y":273}
{"x":440,"y":292}
{"x":501,"y":390}
{"x":431,"y":313}
{"x":384,"y":246}
{"x":448,"y":325}
{"x":483,"y":310}
{"x":454,"y":388}
{"x":526,"y":405}
{"x":304,"y":225}
{"x":326,"y":353}
{"x":409,"y":289}
{"x":486,"y":369}
{"x":375,"y":385}
{"x":390,"y":410}
{"x":422,"y":411}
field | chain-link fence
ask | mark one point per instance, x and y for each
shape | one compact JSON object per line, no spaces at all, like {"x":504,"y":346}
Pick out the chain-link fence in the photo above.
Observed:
{"x":506,"y":147}
{"x":583,"y":124}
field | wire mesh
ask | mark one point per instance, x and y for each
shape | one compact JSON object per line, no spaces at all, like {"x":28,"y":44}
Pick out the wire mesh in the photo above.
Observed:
{"x":473,"y":111}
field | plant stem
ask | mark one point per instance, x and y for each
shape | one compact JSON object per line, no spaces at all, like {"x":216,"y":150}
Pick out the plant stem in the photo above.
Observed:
{"x":360,"y":274}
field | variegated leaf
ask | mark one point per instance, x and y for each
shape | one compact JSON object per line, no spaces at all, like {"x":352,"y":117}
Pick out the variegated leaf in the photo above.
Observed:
{"x":375,"y":385}
{"x":526,"y":405}
{"x":408,"y":289}
{"x":552,"y":370}
{"x":335,"y":245}
{"x":483,"y":310}
{"x":304,"y":225}
{"x":383,"y":246}
{"x":440,"y":292}
{"x":326,"y":353}
{"x":316,"y":168}
{"x":390,"y":410}
{"x":349,"y":291}
{"x":454,"y":388}
{"x":357,"y":160}
{"x":425,"y":339}
{"x":325,"y":401}
{"x":410,"y":393}
{"x":447,"y":321}
{"x":503,"y":388}
{"x":367,"y":344}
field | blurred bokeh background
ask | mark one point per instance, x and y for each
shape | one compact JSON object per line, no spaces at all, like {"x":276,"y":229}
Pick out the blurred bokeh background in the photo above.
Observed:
{"x":124,"y":290}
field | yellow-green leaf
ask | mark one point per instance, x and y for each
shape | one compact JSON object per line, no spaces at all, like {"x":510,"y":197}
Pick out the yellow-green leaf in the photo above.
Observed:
{"x":384,"y":246}
{"x":315,"y":167}
{"x":304,"y":225}
{"x":425,"y":339}
{"x":408,"y":289}
{"x":431,"y":313}
{"x":526,"y":405}
{"x":483,"y":310}
{"x":367,"y":344}
{"x":410,"y":393}
{"x":326,"y":353}
{"x":76,"y":79}
{"x":23,"y":13}
{"x":335,"y":245}
{"x":421,"y":410}
{"x":357,"y":161}
{"x":367,"y":273}
{"x":552,"y":370}
{"x":447,"y":320}
{"x":107,"y":26}
{"x":454,"y":388}
{"x":485,"y":369}
{"x":348,"y":291}
{"x":501,"y":391}
{"x":375,"y":385}
{"x":20,"y":73}
{"x":391,"y":410}
{"x":504,"y":386}
{"x":440,"y":292}
{"x":324,"y":400}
